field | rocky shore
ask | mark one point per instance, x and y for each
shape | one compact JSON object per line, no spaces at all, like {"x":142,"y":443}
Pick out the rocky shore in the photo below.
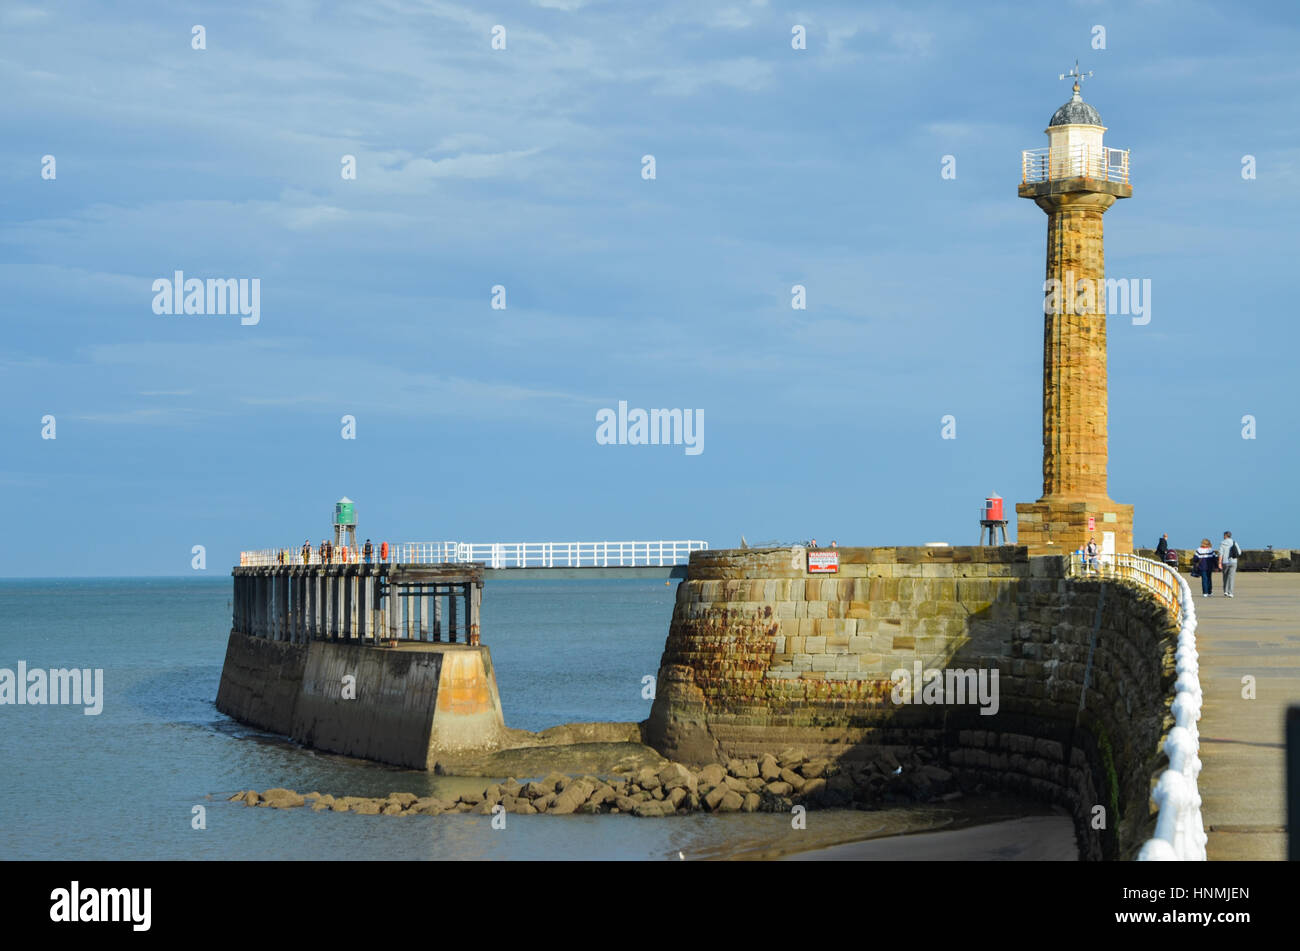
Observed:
{"x":769,"y":784}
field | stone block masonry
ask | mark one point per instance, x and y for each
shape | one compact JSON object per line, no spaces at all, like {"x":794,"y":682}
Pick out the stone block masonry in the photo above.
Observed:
{"x":762,"y":656}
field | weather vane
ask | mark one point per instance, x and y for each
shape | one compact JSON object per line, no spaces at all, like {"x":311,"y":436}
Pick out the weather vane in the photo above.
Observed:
{"x":1076,"y":74}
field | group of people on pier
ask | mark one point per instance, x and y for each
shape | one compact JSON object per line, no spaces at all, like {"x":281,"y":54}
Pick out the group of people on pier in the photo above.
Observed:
{"x":328,"y":554}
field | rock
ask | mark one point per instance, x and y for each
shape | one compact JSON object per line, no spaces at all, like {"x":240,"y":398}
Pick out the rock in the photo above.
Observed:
{"x":768,"y":769}
{"x":391,"y":809}
{"x":590,"y":808}
{"x":659,"y":793}
{"x":602,"y":794}
{"x":464,"y":807}
{"x":778,"y":788}
{"x":568,"y":801}
{"x":936,"y":774}
{"x":712,"y":775}
{"x":238,"y":797}
{"x":693,"y":802}
{"x":676,"y":796}
{"x":649,"y":810}
{"x":751,"y":803}
{"x":887,"y":761}
{"x":794,"y":779}
{"x":544,"y":803}
{"x":485,"y":808}
{"x":553,"y":780}
{"x":251,"y":798}
{"x":282,"y":798}
{"x":648,"y":778}
{"x":624,"y":804}
{"x":792,"y":758}
{"x":675,"y":775}
{"x":813,"y":787}
{"x":732,"y":801}
{"x":367,"y":807}
{"x":493,"y":794}
{"x":715,"y":796}
{"x":428,"y":806}
{"x":512,"y":788}
{"x":754,"y":784}
{"x":319,"y":806}
{"x":524,"y":808}
{"x":737,"y":784}
{"x":403,"y":799}
{"x":743,"y":768}
{"x":471,"y":798}
{"x":327,"y":799}
{"x":536,"y":790}
{"x":814,"y":769}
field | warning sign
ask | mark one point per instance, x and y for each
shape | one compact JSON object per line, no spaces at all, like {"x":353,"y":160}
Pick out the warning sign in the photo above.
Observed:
{"x":823,"y":562}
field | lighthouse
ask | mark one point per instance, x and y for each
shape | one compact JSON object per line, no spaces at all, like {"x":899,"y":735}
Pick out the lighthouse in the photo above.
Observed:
{"x":1075,"y":180}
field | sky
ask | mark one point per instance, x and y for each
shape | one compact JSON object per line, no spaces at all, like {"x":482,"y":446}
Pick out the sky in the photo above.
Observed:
{"x":524,"y":168}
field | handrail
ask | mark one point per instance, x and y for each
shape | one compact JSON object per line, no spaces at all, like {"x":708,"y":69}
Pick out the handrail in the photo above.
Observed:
{"x":1079,"y":161}
{"x":602,"y":554}
{"x":1180,"y":830}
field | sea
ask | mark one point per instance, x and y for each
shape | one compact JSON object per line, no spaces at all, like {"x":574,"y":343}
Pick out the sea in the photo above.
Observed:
{"x":149,"y":777}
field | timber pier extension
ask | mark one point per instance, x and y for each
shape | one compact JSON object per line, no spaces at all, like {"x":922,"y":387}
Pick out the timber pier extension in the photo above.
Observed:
{"x":380,"y":661}
{"x":362,"y":602}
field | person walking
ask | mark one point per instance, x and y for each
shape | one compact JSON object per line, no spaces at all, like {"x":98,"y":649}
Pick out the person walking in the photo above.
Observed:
{"x":1204,"y":564}
{"x":1228,"y":553}
{"x":306,"y":552}
{"x":1162,"y":546}
{"x":368,"y":552}
{"x":1090,"y":554}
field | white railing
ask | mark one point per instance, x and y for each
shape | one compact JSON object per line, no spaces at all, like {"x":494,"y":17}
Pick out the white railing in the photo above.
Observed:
{"x":1180,"y":832}
{"x":1081,"y":161}
{"x":625,"y":554}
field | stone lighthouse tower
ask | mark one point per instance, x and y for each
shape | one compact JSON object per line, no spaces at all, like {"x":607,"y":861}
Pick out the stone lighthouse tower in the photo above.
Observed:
{"x":1075,"y":180}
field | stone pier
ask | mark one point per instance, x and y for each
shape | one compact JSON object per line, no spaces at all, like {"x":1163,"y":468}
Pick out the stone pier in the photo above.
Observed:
{"x":377,"y":661}
{"x":763,"y":655}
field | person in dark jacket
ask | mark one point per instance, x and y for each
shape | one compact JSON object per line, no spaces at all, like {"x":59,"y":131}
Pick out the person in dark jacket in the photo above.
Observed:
{"x":1205,"y":563}
{"x":1162,"y":546}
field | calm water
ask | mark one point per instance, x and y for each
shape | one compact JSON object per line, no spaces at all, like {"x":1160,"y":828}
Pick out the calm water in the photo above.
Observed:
{"x":123,"y":784}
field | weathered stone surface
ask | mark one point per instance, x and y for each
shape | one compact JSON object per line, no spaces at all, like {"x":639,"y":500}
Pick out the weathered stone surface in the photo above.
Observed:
{"x":731,"y":802}
{"x":676,"y":775}
{"x":716,"y":795}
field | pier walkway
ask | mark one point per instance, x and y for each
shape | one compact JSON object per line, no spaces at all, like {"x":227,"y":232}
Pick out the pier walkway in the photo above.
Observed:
{"x":1243,"y":742}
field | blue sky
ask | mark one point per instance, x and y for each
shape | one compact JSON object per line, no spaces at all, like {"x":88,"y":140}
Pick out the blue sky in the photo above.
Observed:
{"x":522,"y":167}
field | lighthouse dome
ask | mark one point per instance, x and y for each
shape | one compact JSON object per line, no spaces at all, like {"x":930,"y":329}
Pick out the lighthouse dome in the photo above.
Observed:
{"x":1075,"y":112}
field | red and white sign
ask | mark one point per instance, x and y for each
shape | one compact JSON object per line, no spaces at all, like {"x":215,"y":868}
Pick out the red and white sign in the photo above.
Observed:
{"x":1092,"y":523}
{"x":823,"y":562}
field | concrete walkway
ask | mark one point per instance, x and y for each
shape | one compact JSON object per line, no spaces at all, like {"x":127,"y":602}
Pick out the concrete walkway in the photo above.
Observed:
{"x":1243,"y":742}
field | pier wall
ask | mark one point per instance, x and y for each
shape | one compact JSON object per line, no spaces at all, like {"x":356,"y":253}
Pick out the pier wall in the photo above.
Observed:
{"x":762,"y":656}
{"x":351,"y":659}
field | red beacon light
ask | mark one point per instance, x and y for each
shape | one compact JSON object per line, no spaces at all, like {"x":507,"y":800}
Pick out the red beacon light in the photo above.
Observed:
{"x":992,"y":509}
{"x":992,"y":520}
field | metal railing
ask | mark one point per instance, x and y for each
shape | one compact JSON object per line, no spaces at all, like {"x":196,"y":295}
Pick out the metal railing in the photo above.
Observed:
{"x":1158,"y":578}
{"x":1082,"y":161}
{"x":619,"y":554}
{"x":1180,"y":830}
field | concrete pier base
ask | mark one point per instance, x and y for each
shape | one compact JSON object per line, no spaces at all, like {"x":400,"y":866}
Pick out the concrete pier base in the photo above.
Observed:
{"x":406,"y":704}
